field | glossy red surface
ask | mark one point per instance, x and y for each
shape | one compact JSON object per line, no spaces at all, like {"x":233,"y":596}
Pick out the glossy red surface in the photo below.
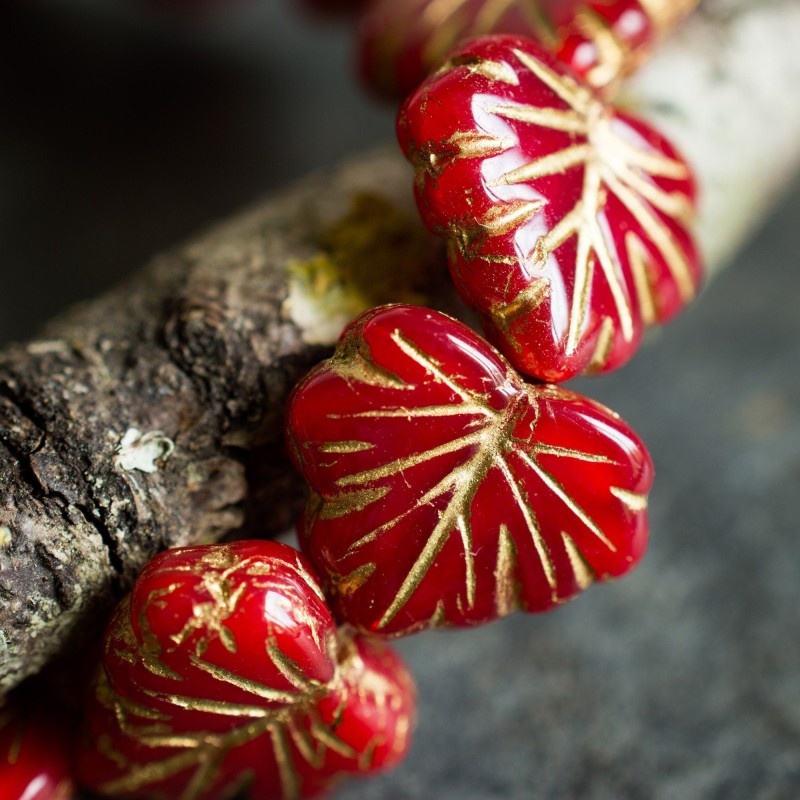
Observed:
{"x":34,"y":752}
{"x":568,"y":222}
{"x":449,"y":492}
{"x":402,"y":41}
{"x":601,"y":40}
{"x":372,"y":710}
{"x":223,"y":670}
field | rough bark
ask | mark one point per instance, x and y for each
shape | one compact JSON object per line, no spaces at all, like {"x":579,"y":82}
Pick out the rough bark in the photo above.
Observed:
{"x":130,"y":424}
{"x":139,"y":420}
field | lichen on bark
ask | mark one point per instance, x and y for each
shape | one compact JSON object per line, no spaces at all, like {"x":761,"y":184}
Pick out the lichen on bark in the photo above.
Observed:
{"x":137,"y":420}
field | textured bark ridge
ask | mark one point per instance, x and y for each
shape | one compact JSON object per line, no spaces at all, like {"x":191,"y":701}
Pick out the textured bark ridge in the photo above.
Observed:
{"x":151,"y":416}
{"x":130,"y":425}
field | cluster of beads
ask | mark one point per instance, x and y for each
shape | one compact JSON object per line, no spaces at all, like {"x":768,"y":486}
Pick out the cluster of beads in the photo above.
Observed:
{"x":451,"y":483}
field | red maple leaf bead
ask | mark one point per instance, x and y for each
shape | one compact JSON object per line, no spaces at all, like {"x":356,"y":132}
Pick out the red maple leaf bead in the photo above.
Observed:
{"x":568,"y":222}
{"x":35,"y":751}
{"x":602,"y":40}
{"x":223,"y":671}
{"x":402,"y":41}
{"x":445,"y":490}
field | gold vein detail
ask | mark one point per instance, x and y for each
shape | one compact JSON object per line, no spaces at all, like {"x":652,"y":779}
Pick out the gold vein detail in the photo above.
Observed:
{"x":202,"y":754}
{"x":611,"y":165}
{"x":487,"y":444}
{"x":584,"y":574}
{"x":443,"y":23}
{"x":613,"y":53}
{"x":507,"y":588}
{"x":289,"y":719}
{"x":632,"y":500}
{"x":665,"y":14}
{"x":295,"y":734}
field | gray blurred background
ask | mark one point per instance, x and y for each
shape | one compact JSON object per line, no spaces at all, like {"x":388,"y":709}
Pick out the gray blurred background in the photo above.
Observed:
{"x":124,"y":129}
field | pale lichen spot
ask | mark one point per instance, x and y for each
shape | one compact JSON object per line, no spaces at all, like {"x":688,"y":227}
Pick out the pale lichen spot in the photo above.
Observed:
{"x":374,"y":254}
{"x":143,"y":452}
{"x":48,"y":347}
{"x":317,"y":305}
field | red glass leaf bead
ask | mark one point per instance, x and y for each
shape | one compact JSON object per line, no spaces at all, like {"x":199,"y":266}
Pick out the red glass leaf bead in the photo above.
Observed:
{"x":35,"y":759}
{"x":604,"y":40}
{"x":568,"y":222}
{"x":446,"y":491}
{"x":372,"y":709}
{"x":402,"y":41}
{"x":223,"y":671}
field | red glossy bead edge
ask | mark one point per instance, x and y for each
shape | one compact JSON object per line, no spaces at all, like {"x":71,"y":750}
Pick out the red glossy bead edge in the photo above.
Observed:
{"x":223,"y":671}
{"x":401,"y":43}
{"x":568,"y":222}
{"x":446,"y":491}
